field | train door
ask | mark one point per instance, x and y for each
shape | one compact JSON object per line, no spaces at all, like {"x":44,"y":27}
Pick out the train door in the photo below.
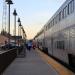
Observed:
{"x":72,"y":60}
{"x":71,"y":54}
{"x":49,"y":46}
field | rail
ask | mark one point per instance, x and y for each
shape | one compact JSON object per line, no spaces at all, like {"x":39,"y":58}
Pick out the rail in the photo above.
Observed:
{"x":6,"y":57}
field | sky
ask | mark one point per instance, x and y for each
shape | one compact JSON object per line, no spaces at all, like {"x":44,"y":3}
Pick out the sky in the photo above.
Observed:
{"x":34,"y":14}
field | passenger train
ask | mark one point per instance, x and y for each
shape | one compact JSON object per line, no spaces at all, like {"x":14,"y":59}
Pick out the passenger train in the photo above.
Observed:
{"x":58,"y":34}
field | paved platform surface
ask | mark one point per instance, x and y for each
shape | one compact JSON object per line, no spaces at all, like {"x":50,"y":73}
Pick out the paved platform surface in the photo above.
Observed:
{"x":32,"y":64}
{"x":56,"y":65}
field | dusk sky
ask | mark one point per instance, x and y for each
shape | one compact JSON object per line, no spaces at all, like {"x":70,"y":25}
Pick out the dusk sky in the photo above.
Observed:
{"x":33,"y":13}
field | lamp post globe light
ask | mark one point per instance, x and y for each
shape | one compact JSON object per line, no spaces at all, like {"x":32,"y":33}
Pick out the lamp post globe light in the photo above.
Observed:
{"x":9,"y":2}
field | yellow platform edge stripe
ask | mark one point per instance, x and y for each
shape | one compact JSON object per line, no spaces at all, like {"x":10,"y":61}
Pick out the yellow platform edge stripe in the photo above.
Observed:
{"x":57,"y":66}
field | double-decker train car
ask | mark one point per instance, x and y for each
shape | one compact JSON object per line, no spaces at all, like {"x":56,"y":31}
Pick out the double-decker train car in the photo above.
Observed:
{"x":58,"y":34}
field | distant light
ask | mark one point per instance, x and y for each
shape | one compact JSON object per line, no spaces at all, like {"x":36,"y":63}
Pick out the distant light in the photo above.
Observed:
{"x":9,"y":2}
{"x":14,"y":13}
{"x":19,"y":20}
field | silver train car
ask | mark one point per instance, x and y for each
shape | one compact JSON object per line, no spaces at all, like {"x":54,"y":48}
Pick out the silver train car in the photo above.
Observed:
{"x":58,"y":34}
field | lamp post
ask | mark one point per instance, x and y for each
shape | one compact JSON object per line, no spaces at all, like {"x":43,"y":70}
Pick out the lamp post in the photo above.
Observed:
{"x":20,"y":28}
{"x":22,"y":31}
{"x":15,"y":14}
{"x":18,"y":34}
{"x":9,"y":2}
{"x":18,"y":25}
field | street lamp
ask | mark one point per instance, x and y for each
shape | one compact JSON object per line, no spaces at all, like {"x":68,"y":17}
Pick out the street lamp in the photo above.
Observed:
{"x":18,"y":20}
{"x":20,"y":28}
{"x":9,"y":2}
{"x":18,"y":34}
{"x":15,"y":14}
{"x":18,"y":25}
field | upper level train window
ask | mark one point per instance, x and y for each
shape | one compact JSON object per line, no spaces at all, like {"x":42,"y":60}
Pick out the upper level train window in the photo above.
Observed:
{"x":60,"y":16}
{"x":64,"y":12}
{"x":53,"y":22}
{"x":56,"y":19}
{"x":48,"y":25}
{"x":71,"y":7}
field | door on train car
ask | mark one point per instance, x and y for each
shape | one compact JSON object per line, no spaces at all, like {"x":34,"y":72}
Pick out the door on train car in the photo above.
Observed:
{"x":71,"y":54}
{"x":49,"y":46}
{"x":71,"y":60}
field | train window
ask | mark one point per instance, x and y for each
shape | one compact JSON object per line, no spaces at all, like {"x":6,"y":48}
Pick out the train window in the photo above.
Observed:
{"x":71,"y":7}
{"x":56,"y":19}
{"x":48,"y":25}
{"x":40,"y":43}
{"x":72,"y":32}
{"x":64,"y":12}
{"x":60,"y":44}
{"x":53,"y":21}
{"x":60,"y":16}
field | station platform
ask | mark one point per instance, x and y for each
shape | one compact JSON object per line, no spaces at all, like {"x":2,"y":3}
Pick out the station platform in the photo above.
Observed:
{"x":35,"y":63}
